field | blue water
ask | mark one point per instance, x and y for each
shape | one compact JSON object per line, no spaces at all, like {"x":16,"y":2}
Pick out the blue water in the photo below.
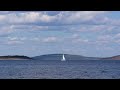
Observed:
{"x":37,"y":69}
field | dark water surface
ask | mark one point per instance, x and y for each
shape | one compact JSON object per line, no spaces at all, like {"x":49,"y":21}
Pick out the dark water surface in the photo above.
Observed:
{"x":82,"y":69}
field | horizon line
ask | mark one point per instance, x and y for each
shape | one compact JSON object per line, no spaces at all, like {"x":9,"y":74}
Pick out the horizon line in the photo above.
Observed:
{"x":58,"y":53}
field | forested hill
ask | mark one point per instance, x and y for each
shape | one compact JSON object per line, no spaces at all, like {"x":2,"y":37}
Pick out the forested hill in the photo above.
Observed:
{"x":14,"y":57}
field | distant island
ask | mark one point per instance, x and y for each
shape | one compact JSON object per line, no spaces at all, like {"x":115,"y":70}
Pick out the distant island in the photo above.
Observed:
{"x":15,"y":57}
{"x":73,"y":57}
{"x":113,"y":58}
{"x":57,"y":57}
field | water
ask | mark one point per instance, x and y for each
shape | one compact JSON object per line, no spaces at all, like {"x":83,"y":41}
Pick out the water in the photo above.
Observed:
{"x":37,"y":69}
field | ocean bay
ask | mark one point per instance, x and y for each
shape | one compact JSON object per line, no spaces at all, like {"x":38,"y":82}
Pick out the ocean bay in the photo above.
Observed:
{"x":38,"y":69}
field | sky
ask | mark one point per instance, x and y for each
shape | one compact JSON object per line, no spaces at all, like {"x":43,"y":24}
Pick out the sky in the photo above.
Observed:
{"x":33,"y":33}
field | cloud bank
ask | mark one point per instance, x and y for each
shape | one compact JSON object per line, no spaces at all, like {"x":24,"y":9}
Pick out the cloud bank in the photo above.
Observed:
{"x":69,"y":31}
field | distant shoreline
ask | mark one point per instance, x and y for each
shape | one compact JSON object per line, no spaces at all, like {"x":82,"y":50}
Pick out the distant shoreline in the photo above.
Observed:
{"x":57,"y":57}
{"x":13,"y":59}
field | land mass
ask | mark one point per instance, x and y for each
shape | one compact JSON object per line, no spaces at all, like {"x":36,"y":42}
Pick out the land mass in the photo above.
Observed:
{"x":57,"y":57}
{"x":73,"y":57}
{"x":112,"y":58}
{"x":15,"y":57}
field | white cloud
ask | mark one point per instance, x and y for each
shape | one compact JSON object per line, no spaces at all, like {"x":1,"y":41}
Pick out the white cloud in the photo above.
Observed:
{"x":16,"y":38}
{"x":105,"y":38}
{"x":50,"y":39}
{"x":6,"y":30}
{"x":21,"y":20}
{"x":23,"y":38}
{"x":35,"y":39}
{"x":24,"y":17}
{"x":47,"y":18}
{"x":105,"y":48}
{"x":117,"y":41}
{"x":17,"y":18}
{"x":82,"y":15}
{"x":2,"y":17}
{"x":109,"y":38}
{"x":12,"y":38}
{"x":31,"y":16}
{"x":117,"y":35}
{"x":40,"y":28}
{"x":103,"y":29}
{"x":65,"y":17}
{"x":75,"y":35}
{"x":80,"y":40}
{"x":14,"y":42}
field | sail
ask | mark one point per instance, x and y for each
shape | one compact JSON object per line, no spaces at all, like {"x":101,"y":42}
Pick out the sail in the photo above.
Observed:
{"x":63,"y":58}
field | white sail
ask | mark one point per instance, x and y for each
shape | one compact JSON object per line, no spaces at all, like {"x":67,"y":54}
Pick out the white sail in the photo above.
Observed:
{"x":63,"y":58}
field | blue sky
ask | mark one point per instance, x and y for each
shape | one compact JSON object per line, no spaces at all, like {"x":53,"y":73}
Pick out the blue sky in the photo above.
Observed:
{"x":32,"y":33}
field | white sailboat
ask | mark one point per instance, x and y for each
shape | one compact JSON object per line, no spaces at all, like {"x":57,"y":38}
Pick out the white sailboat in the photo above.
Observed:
{"x":63,"y":58}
